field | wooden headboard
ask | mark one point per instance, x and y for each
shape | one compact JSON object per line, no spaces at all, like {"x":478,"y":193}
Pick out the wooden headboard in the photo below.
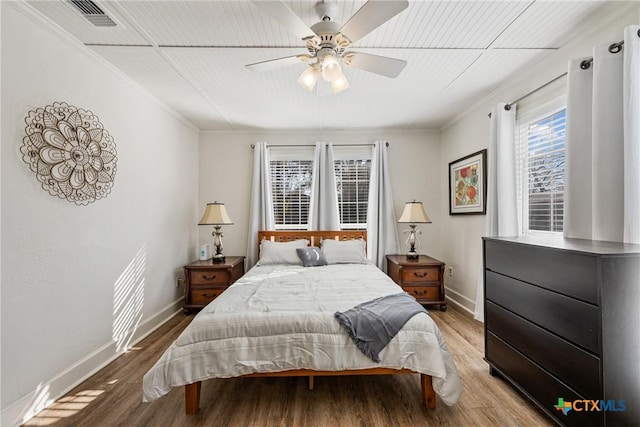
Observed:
{"x":315,"y":237}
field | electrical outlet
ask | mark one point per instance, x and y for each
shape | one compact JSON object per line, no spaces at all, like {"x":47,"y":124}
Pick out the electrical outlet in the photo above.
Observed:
{"x":450,"y":270}
{"x":180,"y":279}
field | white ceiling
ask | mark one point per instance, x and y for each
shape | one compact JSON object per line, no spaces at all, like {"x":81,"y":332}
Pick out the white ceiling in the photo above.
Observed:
{"x":191,"y":55}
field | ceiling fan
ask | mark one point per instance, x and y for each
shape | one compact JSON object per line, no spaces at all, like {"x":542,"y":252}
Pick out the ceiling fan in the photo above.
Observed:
{"x":327,"y":42}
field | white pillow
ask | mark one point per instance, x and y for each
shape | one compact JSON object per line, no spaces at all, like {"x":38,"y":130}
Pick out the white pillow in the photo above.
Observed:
{"x":344,"y":251}
{"x":281,"y":252}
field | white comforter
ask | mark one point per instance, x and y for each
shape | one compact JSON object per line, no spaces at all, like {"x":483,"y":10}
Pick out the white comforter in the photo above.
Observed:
{"x":279,"y":318}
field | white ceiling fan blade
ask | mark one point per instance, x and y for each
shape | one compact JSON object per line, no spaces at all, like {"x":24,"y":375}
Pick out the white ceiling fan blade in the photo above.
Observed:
{"x":383,"y":65}
{"x":279,"y":11}
{"x":274,"y":64}
{"x":370,"y":16}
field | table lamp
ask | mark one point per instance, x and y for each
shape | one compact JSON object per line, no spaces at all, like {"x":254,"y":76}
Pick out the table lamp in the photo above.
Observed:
{"x":413,"y":214}
{"x":215,"y":214}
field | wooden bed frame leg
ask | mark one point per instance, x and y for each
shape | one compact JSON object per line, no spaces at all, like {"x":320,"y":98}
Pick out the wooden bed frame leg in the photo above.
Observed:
{"x":428,"y":394}
{"x":310,"y":382}
{"x":192,"y":397}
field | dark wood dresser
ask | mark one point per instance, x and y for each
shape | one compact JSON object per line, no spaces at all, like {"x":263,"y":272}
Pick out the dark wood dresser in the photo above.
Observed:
{"x":205,"y":280}
{"x":562,"y":321}
{"x":423,"y":278}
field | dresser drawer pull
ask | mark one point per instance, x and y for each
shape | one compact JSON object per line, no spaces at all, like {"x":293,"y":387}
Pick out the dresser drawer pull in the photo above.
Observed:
{"x":205,"y":277}
{"x":420,"y":274}
{"x":417,"y":292}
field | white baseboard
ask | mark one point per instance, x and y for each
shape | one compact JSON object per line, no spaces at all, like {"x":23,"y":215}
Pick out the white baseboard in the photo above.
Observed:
{"x":46,"y":393}
{"x":460,"y":301}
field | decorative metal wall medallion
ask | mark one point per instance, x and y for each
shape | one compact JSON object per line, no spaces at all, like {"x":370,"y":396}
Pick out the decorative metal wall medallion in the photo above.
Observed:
{"x":70,"y":152}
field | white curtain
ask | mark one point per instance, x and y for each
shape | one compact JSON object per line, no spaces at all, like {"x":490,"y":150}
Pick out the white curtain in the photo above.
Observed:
{"x":602,"y":173}
{"x":260,"y":211}
{"x":502,"y":214}
{"x":382,"y":235}
{"x":323,"y":206}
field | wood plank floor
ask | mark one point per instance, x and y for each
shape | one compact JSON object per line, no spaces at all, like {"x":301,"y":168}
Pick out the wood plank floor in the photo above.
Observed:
{"x":113,"y":396}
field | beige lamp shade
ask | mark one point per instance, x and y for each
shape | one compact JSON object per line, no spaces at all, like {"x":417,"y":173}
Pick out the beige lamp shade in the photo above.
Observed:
{"x":414,"y":213}
{"x":215,"y":214}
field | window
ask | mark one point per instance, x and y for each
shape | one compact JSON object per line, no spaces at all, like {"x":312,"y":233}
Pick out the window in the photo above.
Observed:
{"x":291,"y":173}
{"x":352,"y":168}
{"x":540,"y":164}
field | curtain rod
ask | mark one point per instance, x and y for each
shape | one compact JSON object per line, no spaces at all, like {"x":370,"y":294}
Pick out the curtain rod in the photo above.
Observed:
{"x":613,"y":48}
{"x":313,"y":145}
{"x":528,"y":94}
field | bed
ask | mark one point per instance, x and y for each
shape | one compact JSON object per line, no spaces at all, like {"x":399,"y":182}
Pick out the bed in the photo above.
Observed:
{"x":278,"y":320}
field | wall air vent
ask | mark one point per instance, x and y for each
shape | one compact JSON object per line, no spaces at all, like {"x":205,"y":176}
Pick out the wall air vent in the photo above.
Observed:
{"x":93,"y":13}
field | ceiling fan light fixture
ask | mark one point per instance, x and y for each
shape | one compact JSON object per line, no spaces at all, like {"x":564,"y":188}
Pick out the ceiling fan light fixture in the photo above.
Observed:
{"x":331,"y":69}
{"x":309,"y":78}
{"x":340,"y":84}
{"x":327,"y":41}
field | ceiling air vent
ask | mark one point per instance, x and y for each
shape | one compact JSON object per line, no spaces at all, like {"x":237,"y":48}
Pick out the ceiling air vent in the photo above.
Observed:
{"x":93,"y":13}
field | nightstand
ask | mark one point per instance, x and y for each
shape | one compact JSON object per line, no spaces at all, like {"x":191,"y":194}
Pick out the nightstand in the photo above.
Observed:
{"x":205,"y":280}
{"x":423,"y":278}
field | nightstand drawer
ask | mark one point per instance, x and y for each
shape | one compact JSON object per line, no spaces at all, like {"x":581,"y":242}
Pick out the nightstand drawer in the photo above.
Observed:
{"x":204,"y":278}
{"x":204,"y":296}
{"x":423,"y":292}
{"x":420,"y":278}
{"x":420,"y":274}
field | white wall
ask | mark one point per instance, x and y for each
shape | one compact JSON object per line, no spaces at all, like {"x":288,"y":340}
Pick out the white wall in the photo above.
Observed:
{"x":64,"y":265}
{"x":469,"y":132}
{"x":226,"y":167}
{"x":72,"y":275}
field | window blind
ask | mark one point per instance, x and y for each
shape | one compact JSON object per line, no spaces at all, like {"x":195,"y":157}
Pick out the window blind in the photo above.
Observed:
{"x":352,"y":170}
{"x":540,"y":163}
{"x":291,"y":192}
{"x":352,"y":181}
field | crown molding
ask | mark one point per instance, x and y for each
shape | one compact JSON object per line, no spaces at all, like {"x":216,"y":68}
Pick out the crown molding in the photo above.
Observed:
{"x":533,"y":77}
{"x":43,"y":21}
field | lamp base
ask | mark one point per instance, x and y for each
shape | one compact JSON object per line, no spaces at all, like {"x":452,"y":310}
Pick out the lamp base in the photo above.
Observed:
{"x":218,"y":258}
{"x":412,"y":240}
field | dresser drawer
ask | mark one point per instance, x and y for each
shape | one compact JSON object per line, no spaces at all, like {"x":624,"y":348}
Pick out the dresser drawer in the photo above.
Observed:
{"x":568,"y":273}
{"x":571,"y":319}
{"x":210,"y":278}
{"x":420,"y":274}
{"x":424,"y":292}
{"x":571,"y":364}
{"x":204,"y":296}
{"x":539,"y":384}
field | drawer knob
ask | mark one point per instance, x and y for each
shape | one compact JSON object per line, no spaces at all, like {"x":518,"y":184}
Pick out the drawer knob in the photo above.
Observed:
{"x":208,"y":277}
{"x":420,"y":274}
{"x":417,"y":292}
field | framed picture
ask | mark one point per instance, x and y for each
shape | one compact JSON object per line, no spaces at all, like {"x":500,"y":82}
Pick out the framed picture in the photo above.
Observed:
{"x":468,"y":184}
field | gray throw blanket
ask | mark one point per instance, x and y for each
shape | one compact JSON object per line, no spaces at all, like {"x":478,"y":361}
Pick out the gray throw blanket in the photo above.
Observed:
{"x":374,"y":323}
